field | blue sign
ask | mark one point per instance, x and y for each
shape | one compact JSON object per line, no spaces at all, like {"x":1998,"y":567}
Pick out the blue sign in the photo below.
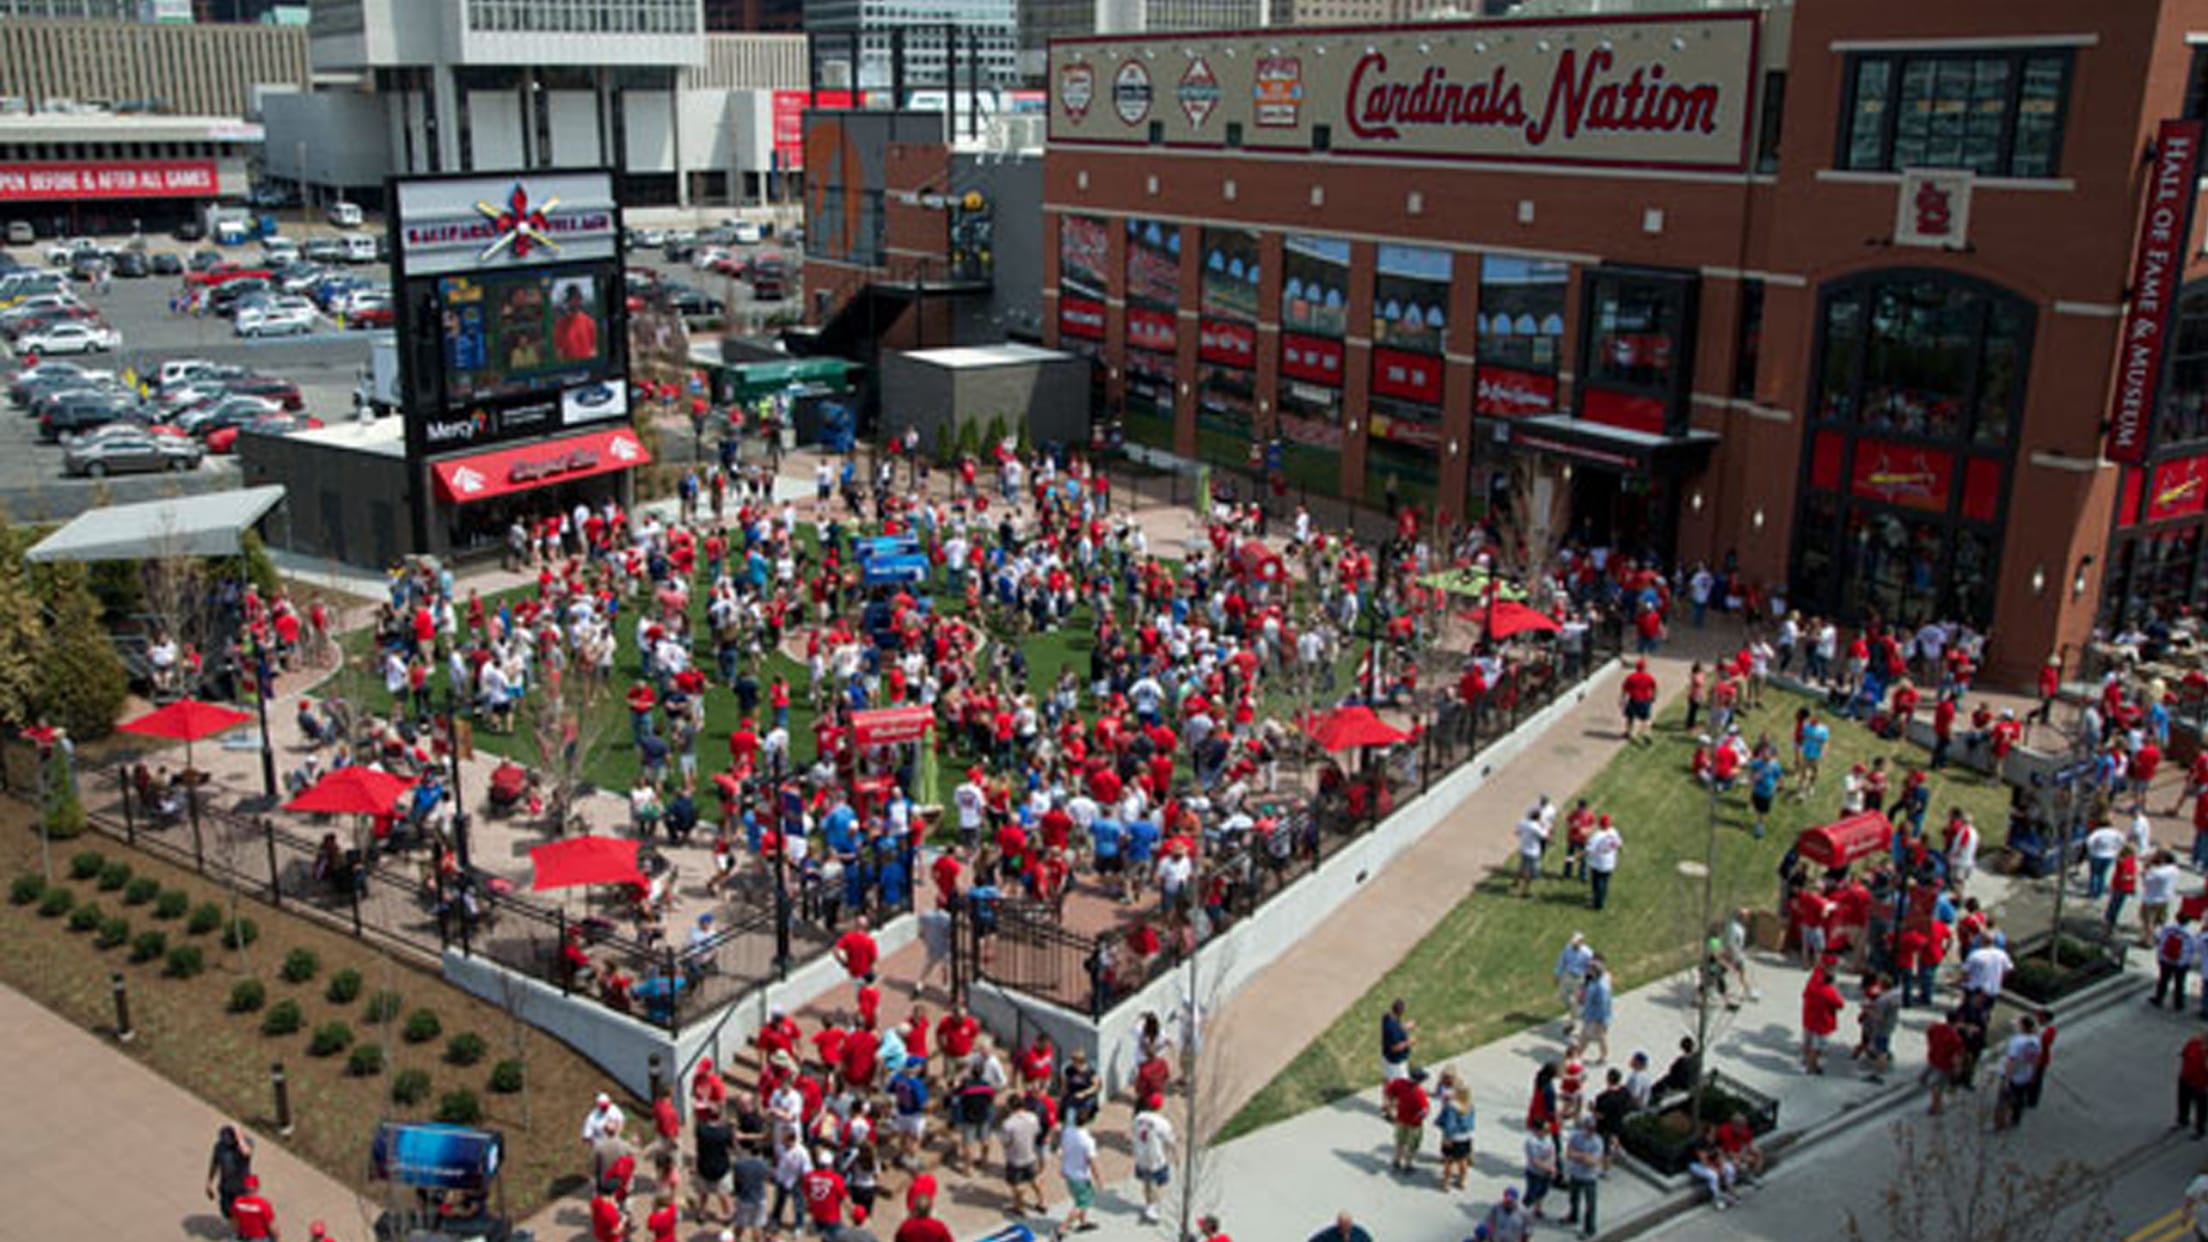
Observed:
{"x":2069,"y":773}
{"x":436,"y":1157}
{"x":888,"y":545}
{"x":899,"y":569}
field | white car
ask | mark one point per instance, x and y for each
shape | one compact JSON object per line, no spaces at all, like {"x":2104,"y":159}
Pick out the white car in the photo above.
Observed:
{"x":177,"y":370}
{"x":748,"y":233}
{"x":75,"y":336}
{"x":704,"y":259}
{"x":287,"y":318}
{"x":63,"y":253}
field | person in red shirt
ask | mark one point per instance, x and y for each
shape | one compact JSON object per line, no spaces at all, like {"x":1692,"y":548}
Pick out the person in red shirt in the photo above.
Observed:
{"x":825,"y":1194}
{"x":1821,"y":1006}
{"x":251,"y":1215}
{"x":1407,"y":1106}
{"x":1638,"y":701}
{"x":2192,"y":1088}
{"x":861,"y":1052}
{"x":922,"y":1226}
{"x":954,"y":1037}
{"x":660,"y":1224}
{"x":858,"y":953}
{"x":1944,"y":1062}
{"x":2145,"y":762}
{"x":608,"y":1223}
{"x":870,"y":1006}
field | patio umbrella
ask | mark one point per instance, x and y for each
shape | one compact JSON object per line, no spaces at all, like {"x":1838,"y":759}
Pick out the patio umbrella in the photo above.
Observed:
{"x":1347,"y":728}
{"x":585,"y":860}
{"x":1507,"y":617}
{"x":187,"y":721}
{"x":355,"y":789}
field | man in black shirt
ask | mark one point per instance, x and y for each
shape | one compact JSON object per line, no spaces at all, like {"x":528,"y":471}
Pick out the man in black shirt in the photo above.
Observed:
{"x":1612,"y":1105}
{"x":716,"y":1141}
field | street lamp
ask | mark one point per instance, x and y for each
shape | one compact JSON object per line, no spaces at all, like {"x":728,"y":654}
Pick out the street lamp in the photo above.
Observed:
{"x":1705,"y":871}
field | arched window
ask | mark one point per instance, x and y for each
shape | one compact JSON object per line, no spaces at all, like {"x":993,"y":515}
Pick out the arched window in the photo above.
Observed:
{"x":1914,"y":418}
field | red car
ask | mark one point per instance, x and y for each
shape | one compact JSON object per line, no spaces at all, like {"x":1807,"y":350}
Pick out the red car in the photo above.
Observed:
{"x":225,"y":439}
{"x":223,"y":274}
{"x":371,"y":315}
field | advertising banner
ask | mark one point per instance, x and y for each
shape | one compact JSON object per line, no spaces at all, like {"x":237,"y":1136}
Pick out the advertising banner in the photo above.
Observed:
{"x":1228,"y":344}
{"x":2165,"y":228}
{"x":789,"y":123}
{"x":485,"y":476}
{"x":1505,"y":392}
{"x":1656,"y":92}
{"x":1413,"y":377}
{"x":75,"y":179}
{"x":1082,"y":317}
{"x":1899,"y":474}
{"x":2180,"y":489}
{"x":467,"y":224}
{"x":435,"y":1157}
{"x":1311,"y":358}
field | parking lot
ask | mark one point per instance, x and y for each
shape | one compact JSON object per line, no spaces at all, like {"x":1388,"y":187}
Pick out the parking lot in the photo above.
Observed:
{"x":325,"y":363}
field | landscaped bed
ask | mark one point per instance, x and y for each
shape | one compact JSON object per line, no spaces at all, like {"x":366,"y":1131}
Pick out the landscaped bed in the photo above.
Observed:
{"x":347,"y":1021}
{"x":1483,"y":971}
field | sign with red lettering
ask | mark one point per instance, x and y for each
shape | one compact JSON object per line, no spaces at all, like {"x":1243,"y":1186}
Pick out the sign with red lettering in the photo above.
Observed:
{"x":1898,"y":474}
{"x":2165,"y":230}
{"x":1081,"y":317}
{"x":48,"y":182}
{"x":1312,"y":358}
{"x":1506,"y":392}
{"x":1658,"y":92}
{"x":1150,"y":329}
{"x":789,"y":123}
{"x":1413,"y":377}
{"x":2180,"y":489}
{"x":1630,"y":411}
{"x":1227,"y":344}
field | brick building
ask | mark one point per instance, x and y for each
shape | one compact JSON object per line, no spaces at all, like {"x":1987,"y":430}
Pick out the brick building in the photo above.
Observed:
{"x":1834,"y":290}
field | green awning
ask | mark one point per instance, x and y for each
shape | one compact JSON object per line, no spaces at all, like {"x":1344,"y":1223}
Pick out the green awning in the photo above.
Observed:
{"x":744,"y":381}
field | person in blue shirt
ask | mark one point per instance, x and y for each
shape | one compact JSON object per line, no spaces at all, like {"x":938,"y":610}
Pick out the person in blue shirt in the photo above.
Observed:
{"x":1764,"y":775}
{"x":1815,"y":735}
{"x":1105,"y":836}
{"x":982,"y":899}
{"x":1595,"y":1012}
{"x":1142,"y":843}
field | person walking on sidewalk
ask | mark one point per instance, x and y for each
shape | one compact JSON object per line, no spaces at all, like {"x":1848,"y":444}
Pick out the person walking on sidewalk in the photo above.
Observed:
{"x":2174,"y":949}
{"x":228,"y":1167}
{"x":1077,"y":1164}
{"x":1344,"y":1229}
{"x":1541,"y":1169}
{"x":1153,"y":1142}
{"x":1571,"y":976}
{"x":1583,"y":1158}
{"x":1407,"y":1106}
{"x":1602,"y":861}
{"x":1454,"y":1122}
{"x":1637,"y":700}
{"x":2192,"y":1086}
{"x":1821,"y":1006}
{"x":1596,"y":1007}
{"x":251,"y":1216}
{"x":1396,"y":1036}
{"x":1533,"y":839}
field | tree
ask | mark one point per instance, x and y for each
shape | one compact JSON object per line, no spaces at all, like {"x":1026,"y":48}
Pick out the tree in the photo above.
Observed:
{"x":566,"y":730}
{"x":22,"y":636}
{"x":1206,"y":1104}
{"x":177,"y":591}
{"x":1959,"y":1182}
{"x":81,"y":682}
{"x":1536,"y":518}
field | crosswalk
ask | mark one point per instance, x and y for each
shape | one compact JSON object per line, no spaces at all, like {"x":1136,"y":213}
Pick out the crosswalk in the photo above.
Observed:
{"x":2168,"y":1227}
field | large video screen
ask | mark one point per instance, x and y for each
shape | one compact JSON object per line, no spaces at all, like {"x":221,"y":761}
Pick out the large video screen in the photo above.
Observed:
{"x":512,"y":333}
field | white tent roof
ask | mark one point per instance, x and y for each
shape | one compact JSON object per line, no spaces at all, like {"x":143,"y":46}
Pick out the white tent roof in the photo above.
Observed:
{"x":206,"y":525}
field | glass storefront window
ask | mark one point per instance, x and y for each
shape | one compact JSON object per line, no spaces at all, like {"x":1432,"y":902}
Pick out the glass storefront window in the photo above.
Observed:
{"x":1314,"y":288}
{"x":1226,"y":409}
{"x":1917,"y":359}
{"x":1310,"y":424}
{"x":2182,"y":416}
{"x":1843,"y":341}
{"x":1996,"y":113}
{"x":1636,"y":325}
{"x":1521,"y":323}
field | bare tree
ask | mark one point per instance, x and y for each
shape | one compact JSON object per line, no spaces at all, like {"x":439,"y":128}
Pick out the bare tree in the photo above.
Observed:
{"x":514,"y":997}
{"x":1536,"y":519}
{"x":179,"y":594}
{"x":1959,"y":1182}
{"x":566,"y":730}
{"x":1207,"y":1099}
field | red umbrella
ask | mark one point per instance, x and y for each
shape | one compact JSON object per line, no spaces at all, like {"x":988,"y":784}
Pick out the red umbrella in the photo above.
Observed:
{"x":585,"y":860}
{"x":1347,"y":728}
{"x":187,"y":720}
{"x":352,"y":790}
{"x":1507,"y":617}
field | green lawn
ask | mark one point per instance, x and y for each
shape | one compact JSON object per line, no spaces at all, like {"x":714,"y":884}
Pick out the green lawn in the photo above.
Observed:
{"x":1483,"y":972}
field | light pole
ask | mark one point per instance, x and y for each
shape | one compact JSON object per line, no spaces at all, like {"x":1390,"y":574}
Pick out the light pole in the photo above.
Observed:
{"x":1706,"y":872}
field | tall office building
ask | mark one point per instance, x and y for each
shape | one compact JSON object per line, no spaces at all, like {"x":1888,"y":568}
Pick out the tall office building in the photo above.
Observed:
{"x":985,"y":30}
{"x":1044,"y":20}
{"x":779,"y":16}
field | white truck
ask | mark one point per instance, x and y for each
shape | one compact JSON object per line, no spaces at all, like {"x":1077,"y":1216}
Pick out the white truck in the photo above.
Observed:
{"x":377,"y":394}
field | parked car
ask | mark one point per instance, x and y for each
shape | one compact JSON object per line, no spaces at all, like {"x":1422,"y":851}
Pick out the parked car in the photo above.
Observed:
{"x":372,"y":310}
{"x":285,"y":318}
{"x":64,"y":253}
{"x":225,"y":412}
{"x":128,"y":449}
{"x":345,"y":215}
{"x":84,"y":411}
{"x":747,"y":232}
{"x":690,"y":301}
{"x":133,"y":265}
{"x":16,"y":286}
{"x":267,"y":387}
{"x":35,"y":322}
{"x":75,"y":336}
{"x":188,"y":230}
{"x":225,"y":439}
{"x":770,"y":279}
{"x":166,"y":263}
{"x":324,"y":250}
{"x":220,"y":273}
{"x":225,"y":299}
{"x":21,"y":384}
{"x":360,"y":249}
{"x":20,"y":233}
{"x":205,"y":260}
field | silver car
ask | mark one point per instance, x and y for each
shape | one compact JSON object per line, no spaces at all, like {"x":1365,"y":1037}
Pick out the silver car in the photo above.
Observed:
{"x":120,"y":449}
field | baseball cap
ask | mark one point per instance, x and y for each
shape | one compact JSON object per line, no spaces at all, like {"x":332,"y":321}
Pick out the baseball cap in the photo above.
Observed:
{"x":252,"y":1181}
{"x":604,"y":1099}
{"x":315,"y":1230}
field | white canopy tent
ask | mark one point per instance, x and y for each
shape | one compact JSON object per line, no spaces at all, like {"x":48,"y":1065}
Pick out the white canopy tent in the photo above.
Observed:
{"x":205,"y":525}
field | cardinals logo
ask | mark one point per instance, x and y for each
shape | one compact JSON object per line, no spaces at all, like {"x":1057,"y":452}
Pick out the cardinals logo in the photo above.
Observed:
{"x":520,"y":227}
{"x":1913,"y":481}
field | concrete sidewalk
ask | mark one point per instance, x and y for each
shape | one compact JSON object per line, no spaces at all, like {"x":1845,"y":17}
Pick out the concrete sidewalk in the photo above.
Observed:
{"x":113,"y":1150}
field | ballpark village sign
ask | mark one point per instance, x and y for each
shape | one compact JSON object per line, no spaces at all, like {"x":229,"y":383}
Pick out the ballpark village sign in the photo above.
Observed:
{"x":1663,"y":93}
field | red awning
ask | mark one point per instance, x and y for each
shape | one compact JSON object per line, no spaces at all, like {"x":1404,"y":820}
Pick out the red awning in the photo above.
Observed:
{"x":885,"y":725}
{"x":1844,"y":841}
{"x":481,"y":476}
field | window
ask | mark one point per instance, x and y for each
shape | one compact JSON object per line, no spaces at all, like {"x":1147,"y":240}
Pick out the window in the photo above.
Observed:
{"x":1748,"y":340}
{"x":1521,"y":321}
{"x":1234,"y":135}
{"x":1773,"y":120}
{"x":1924,"y":356}
{"x":1635,"y":327}
{"x":1322,"y":137}
{"x":1998,"y":114}
{"x":2181,"y":416}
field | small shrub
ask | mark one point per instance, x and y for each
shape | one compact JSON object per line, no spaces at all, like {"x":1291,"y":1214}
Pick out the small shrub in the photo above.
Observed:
{"x":114,"y":930}
{"x":247,"y":996}
{"x":141,"y":890}
{"x":466,"y":1048}
{"x":56,"y":902}
{"x":114,"y":875}
{"x":422,"y":1026}
{"x":410,"y":1087}
{"x":344,"y":987}
{"x":330,"y":1038}
{"x":506,"y":1077}
{"x":149,"y":945}
{"x":172,"y":903}
{"x":282,"y":1018}
{"x":85,"y":865}
{"x":26,"y":889}
{"x":85,"y":917}
{"x":206,"y":917}
{"x":383,"y":1006}
{"x":459,"y":1108}
{"x":239,"y":933}
{"x":300,"y":965}
{"x":366,"y":1061}
{"x":185,"y":961}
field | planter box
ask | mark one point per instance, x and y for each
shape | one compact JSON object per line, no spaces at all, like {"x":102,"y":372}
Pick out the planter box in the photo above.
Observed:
{"x":2079,"y":963}
{"x":1663,"y":1137}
